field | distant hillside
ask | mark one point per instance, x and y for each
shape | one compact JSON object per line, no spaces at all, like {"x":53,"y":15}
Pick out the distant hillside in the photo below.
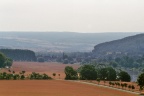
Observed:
{"x":132,"y":46}
{"x":57,"y":41}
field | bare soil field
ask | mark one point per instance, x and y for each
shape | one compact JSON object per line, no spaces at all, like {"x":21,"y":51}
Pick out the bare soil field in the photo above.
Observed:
{"x":46,"y":67}
{"x":54,"y":88}
{"x":51,"y":87}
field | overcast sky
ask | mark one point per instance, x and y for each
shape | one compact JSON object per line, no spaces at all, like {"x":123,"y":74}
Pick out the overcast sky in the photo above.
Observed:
{"x":72,"y":15}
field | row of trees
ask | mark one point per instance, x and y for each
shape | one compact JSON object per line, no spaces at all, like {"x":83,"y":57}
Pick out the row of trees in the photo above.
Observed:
{"x":21,"y":76}
{"x":123,"y":85}
{"x":90,"y":72}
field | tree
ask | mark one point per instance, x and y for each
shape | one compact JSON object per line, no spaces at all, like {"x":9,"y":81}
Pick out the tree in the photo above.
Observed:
{"x":122,"y":85}
{"x":118,"y":84}
{"x":125,"y":85}
{"x":8,"y":62}
{"x":23,"y":72}
{"x":45,"y":76}
{"x":4,"y":61}
{"x":110,"y":83}
{"x":140,"y":81}
{"x":59,"y":76}
{"x":88,"y":72}
{"x":107,"y":74}
{"x":111,"y":74}
{"x":71,"y":74}
{"x":98,"y":80}
{"x":54,"y":74}
{"x":16,"y":76}
{"x":113,"y":84}
{"x":124,"y":76}
{"x":22,"y":77}
{"x":129,"y":86}
{"x":133,"y":87}
{"x":103,"y":73}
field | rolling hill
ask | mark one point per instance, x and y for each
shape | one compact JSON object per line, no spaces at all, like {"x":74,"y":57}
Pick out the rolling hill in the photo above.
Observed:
{"x":57,"y":41}
{"x":131,"y":46}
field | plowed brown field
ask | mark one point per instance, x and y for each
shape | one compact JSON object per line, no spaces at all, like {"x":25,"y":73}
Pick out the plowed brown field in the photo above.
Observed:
{"x":54,"y":88}
{"x":46,"y":67}
{"x":51,"y":87}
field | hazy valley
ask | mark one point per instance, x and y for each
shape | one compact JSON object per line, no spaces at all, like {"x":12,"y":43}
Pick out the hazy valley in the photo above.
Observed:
{"x":56,"y":41}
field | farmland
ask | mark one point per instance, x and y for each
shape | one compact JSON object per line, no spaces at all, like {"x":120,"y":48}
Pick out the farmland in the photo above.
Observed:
{"x":47,"y":67}
{"x":58,"y":87}
{"x":54,"y":88}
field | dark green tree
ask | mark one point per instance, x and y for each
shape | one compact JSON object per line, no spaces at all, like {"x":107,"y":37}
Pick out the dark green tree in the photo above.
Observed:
{"x":111,"y":74}
{"x":129,"y":86}
{"x":125,"y":85}
{"x":107,"y":74}
{"x":103,"y":73}
{"x":4,"y":61}
{"x":140,"y":81}
{"x":88,"y":72}
{"x":71,"y":74}
{"x":22,"y":77}
{"x":133,"y":87}
{"x":54,"y":74}
{"x":124,"y":76}
{"x":98,"y":80}
{"x":59,"y":76}
{"x":8,"y":62}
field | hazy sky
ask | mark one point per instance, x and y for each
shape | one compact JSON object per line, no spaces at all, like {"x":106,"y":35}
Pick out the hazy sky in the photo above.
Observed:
{"x":72,"y":15}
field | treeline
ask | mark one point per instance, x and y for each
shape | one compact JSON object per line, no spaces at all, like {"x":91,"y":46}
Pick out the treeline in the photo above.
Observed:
{"x":125,"y":62}
{"x":88,"y":58}
{"x":65,"y":58}
{"x":11,"y":75}
{"x":91,"y":72}
{"x":19,"y":54}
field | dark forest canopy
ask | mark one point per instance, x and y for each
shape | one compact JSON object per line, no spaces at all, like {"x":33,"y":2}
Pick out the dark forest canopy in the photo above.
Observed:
{"x":19,"y":54}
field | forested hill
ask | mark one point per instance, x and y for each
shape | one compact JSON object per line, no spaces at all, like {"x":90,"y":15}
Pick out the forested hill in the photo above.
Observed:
{"x":131,"y":46}
{"x":19,"y":55}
